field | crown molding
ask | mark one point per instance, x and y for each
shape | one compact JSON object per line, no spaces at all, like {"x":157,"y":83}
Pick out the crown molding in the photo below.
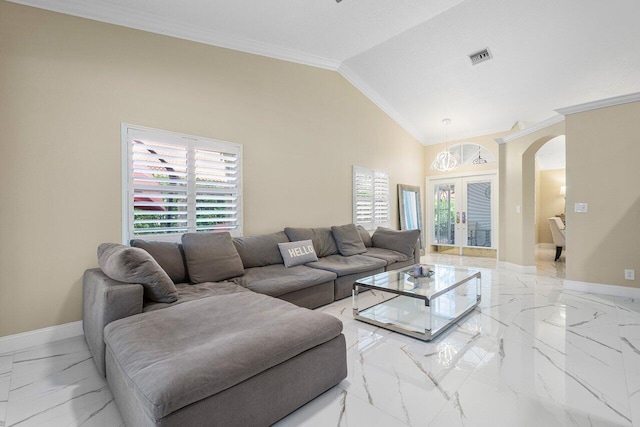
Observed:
{"x":118,"y":15}
{"x":355,"y":79}
{"x":531,"y":129}
{"x":462,"y":136}
{"x":603,"y":103}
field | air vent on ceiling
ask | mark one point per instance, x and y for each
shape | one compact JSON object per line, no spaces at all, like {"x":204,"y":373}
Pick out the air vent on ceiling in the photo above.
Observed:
{"x":478,"y":57}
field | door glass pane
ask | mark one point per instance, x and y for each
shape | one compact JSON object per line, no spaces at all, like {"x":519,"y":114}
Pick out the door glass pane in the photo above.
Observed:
{"x":479,"y":214}
{"x":444,"y":214}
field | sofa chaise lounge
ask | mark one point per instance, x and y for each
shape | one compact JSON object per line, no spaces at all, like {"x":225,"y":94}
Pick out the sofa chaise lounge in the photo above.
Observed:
{"x":217,"y":331}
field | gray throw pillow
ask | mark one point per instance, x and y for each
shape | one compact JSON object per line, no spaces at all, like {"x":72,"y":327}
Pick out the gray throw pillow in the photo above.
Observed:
{"x":262,"y":250}
{"x":365,"y":236}
{"x":135,"y":265}
{"x":348,"y":240}
{"x":211,"y":257}
{"x":321,"y":237}
{"x":169,"y":255}
{"x":403,"y":241}
{"x":297,"y":253}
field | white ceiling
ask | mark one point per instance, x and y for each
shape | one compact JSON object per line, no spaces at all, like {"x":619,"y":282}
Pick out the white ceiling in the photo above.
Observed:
{"x":410,"y":56}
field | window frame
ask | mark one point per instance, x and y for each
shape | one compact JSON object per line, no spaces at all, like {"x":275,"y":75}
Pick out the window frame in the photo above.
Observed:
{"x":372,"y":172}
{"x":191,"y":142}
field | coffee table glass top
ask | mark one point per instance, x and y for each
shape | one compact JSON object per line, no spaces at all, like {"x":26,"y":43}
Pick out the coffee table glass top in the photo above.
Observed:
{"x":421,"y":307}
{"x":403,"y":283}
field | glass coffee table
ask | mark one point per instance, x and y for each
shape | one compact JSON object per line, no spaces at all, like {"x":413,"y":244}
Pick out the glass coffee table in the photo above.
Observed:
{"x":421,"y":307}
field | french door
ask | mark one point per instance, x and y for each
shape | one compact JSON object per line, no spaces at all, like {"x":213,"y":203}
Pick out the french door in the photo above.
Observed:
{"x":462,"y":211}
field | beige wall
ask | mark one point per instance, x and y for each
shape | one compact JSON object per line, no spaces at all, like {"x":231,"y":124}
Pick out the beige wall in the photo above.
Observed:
{"x":602,"y":151}
{"x":66,"y":86}
{"x":549,"y":202}
{"x":603,"y":148}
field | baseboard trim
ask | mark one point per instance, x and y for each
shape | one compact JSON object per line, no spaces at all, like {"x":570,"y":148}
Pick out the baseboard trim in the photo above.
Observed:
{"x":525,"y":269}
{"x":545,"y":246}
{"x":16,"y":342}
{"x":602,"y":289}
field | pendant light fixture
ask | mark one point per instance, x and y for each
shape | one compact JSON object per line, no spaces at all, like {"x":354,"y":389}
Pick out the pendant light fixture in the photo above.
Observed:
{"x":479,"y":160}
{"x":446,"y":160}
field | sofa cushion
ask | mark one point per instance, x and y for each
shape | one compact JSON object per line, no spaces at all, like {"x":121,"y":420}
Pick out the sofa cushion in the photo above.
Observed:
{"x":403,"y":241}
{"x":365,"y":236}
{"x":211,"y":257}
{"x":389,"y":256}
{"x":321,"y":237}
{"x":344,"y":265}
{"x":276,"y":280}
{"x":260,"y":250}
{"x":188,"y":292}
{"x":173,"y":358}
{"x":135,"y":265}
{"x":348,"y":239}
{"x":169,"y":255}
{"x":297,"y":253}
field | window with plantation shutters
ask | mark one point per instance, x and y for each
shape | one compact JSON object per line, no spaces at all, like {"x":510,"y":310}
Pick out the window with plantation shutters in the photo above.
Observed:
{"x":370,"y":198}
{"x":178,"y":183}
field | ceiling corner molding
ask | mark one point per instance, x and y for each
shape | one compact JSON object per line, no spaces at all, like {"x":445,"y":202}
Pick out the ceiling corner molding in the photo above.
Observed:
{"x":603,"y":103}
{"x":531,"y":129}
{"x":353,"y":78}
{"x":117,"y":15}
{"x":462,"y":137}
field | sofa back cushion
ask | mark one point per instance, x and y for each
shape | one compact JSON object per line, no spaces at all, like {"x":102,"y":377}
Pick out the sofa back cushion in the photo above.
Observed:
{"x":211,"y":257}
{"x":403,"y":241}
{"x":297,"y":253}
{"x":262,"y":250}
{"x":348,"y":240}
{"x":365,"y":236}
{"x":135,"y":265}
{"x":169,"y":255}
{"x":321,"y":237}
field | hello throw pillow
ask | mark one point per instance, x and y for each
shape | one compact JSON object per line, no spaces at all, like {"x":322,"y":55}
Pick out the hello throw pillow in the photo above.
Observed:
{"x":297,"y":253}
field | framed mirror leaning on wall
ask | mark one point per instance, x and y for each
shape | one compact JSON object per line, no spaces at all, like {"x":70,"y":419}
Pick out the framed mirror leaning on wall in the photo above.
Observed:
{"x":410,"y":209}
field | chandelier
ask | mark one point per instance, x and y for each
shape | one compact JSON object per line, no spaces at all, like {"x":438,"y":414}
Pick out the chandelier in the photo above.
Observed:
{"x":446,"y":160}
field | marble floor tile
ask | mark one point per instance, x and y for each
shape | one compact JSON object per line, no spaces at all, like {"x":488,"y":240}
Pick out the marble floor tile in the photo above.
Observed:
{"x":338,"y":407}
{"x":628,"y":305}
{"x":633,"y":388}
{"x":482,"y":402}
{"x":6,"y":364}
{"x":57,"y":385}
{"x":531,"y":354}
{"x":527,"y":365}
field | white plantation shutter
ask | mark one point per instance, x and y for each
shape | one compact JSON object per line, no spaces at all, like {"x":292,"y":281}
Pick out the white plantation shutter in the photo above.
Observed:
{"x":363,"y":197}
{"x":177,"y":184}
{"x":216,"y":190}
{"x":381,"y":199}
{"x":370,"y":198}
{"x":159,"y":191}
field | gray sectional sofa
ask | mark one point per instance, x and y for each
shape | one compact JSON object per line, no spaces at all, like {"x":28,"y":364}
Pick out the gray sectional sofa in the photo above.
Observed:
{"x":176,"y":328}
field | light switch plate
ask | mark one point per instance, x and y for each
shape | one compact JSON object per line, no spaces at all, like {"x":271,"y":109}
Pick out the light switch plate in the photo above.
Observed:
{"x":630,"y":274}
{"x":581,"y":207}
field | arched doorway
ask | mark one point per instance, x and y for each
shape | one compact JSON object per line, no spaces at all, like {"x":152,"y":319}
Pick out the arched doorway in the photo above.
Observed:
{"x":549,"y":193}
{"x":529,"y":220}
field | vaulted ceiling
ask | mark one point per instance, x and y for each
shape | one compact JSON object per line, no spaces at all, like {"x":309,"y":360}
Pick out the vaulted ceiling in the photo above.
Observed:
{"x":411,"y":56}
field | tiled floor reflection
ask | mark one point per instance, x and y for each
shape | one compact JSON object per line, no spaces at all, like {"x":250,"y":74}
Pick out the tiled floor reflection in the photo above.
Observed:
{"x":531,"y":355}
